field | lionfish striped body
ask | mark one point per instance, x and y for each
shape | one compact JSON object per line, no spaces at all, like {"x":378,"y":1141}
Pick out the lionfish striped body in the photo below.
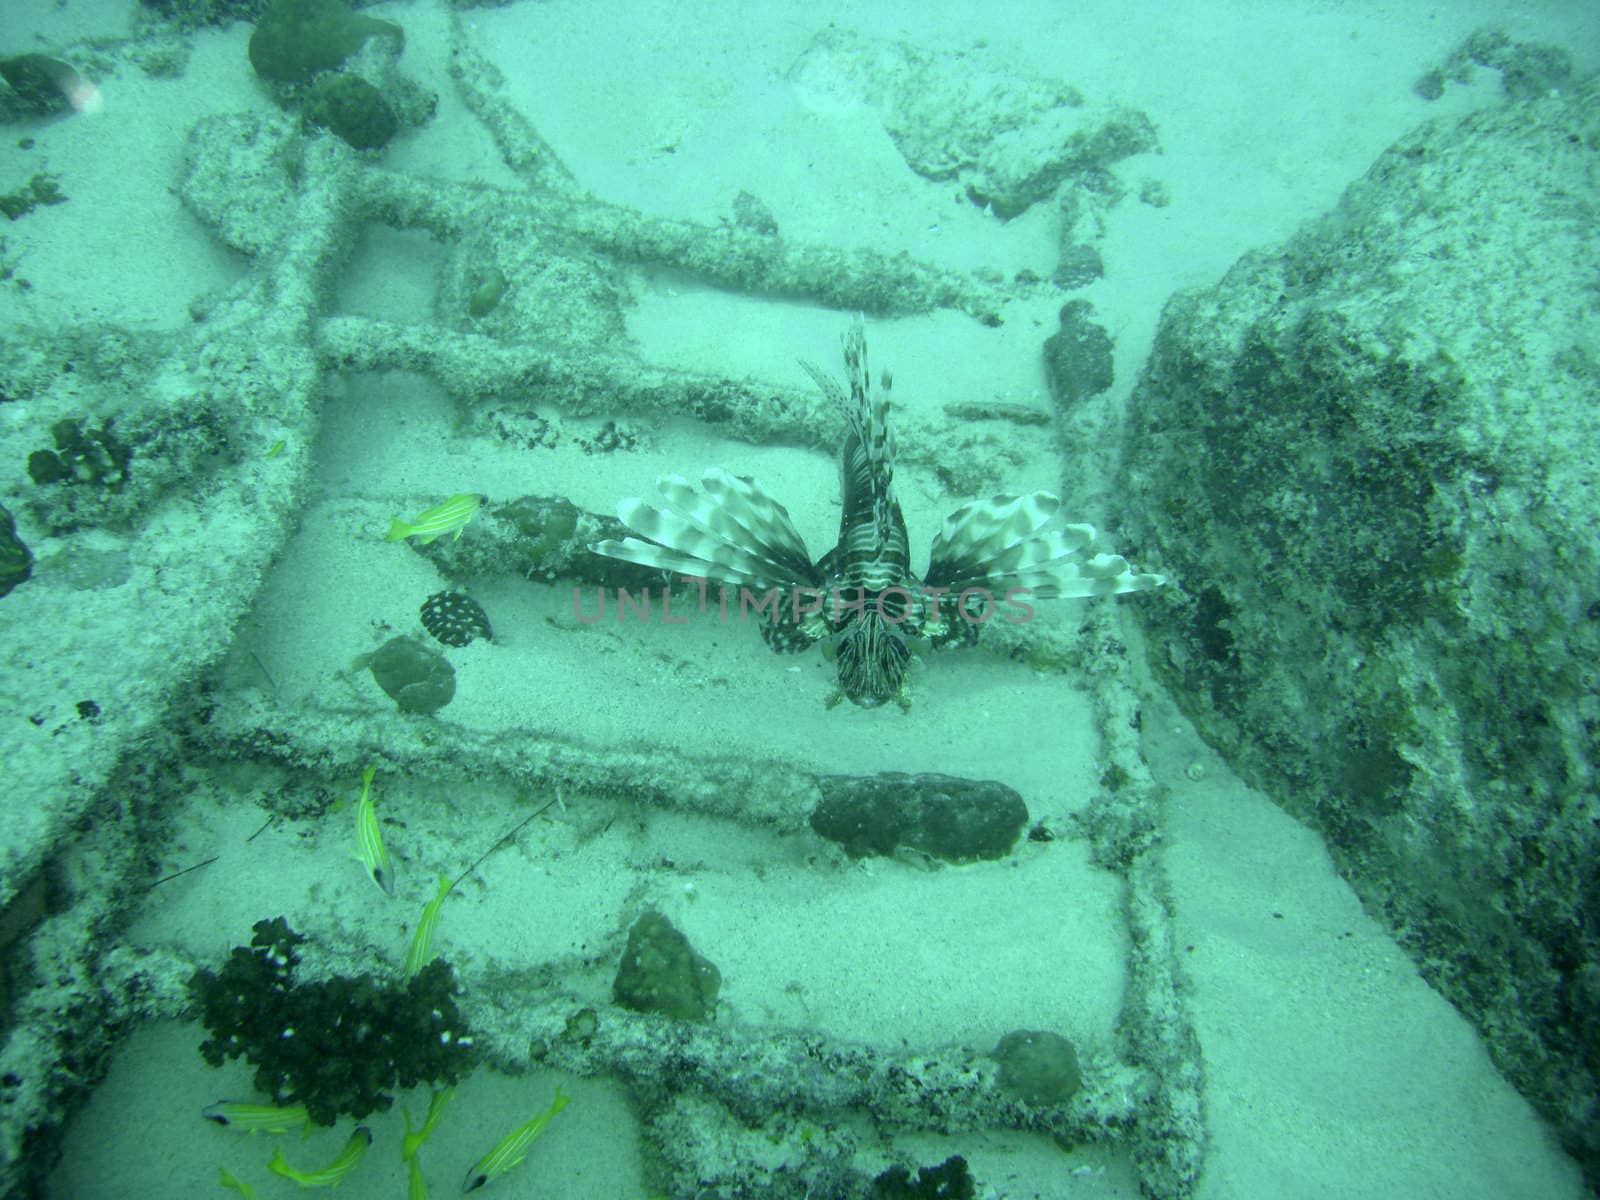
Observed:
{"x":863,"y":593}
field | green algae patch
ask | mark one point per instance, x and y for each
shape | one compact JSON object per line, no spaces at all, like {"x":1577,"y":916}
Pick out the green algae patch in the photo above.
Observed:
{"x":41,"y":189}
{"x":486,"y":295}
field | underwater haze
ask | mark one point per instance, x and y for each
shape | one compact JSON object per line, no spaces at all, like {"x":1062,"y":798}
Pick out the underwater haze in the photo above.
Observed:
{"x":813,"y":601}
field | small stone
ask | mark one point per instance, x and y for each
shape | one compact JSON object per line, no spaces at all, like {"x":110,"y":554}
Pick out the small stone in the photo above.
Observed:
{"x":353,"y":110}
{"x":950,"y":818}
{"x":661,"y":973}
{"x":1078,"y":356}
{"x":1037,"y":1066}
{"x":418,"y":679}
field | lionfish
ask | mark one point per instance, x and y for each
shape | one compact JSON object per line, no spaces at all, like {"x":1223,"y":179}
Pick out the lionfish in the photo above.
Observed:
{"x":863,"y":595}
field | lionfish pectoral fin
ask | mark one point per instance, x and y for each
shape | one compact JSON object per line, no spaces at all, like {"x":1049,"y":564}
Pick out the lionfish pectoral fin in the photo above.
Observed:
{"x":1019,"y":544}
{"x":732,"y":532}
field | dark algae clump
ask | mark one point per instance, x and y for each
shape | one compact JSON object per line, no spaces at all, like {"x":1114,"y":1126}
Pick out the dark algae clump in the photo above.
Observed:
{"x":340,"y":1046}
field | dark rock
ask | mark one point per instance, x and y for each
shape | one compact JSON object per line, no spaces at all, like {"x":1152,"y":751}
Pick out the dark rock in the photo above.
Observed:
{"x":1038,"y":1067}
{"x":45,"y":467}
{"x":661,"y":973}
{"x":16,"y":561}
{"x":1528,"y":70}
{"x":418,"y":679}
{"x":40,"y":189}
{"x":950,"y":1180}
{"x":82,"y":456}
{"x":1077,"y":357}
{"x":487,"y":292}
{"x":957,"y":820}
{"x":1368,"y":459}
{"x":353,"y":110}
{"x":1429,"y":85}
{"x":295,"y":39}
{"x":1078,"y":265}
{"x":751,"y":214}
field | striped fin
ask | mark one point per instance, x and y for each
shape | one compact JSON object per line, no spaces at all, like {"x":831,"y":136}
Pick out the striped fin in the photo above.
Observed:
{"x":868,"y":458}
{"x":1017,"y":542}
{"x":733,"y":532}
{"x":872,"y":551}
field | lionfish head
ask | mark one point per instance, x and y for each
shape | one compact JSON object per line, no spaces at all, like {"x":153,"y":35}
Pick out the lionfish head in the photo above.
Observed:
{"x":871,"y":657}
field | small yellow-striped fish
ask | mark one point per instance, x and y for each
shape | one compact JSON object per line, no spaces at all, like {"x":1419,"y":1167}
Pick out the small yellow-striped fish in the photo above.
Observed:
{"x":512,"y":1147}
{"x":416,"y":1186}
{"x":450,"y":517}
{"x":369,"y":839}
{"x":258,"y":1118}
{"x":421,"y":952}
{"x":334,"y":1171}
{"x":229,"y":1181}
{"x":414,"y":1138}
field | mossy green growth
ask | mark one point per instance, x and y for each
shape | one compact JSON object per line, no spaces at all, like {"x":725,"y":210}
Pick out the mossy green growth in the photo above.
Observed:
{"x":486,"y":295}
{"x":295,"y":39}
{"x":41,"y":189}
{"x":87,"y":456}
{"x":352,"y":109}
{"x":551,"y":525}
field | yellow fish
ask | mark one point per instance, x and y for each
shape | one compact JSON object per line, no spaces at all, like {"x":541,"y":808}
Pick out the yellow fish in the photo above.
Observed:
{"x":450,"y":517}
{"x":258,"y":1118}
{"x":416,"y":1185}
{"x":334,"y":1171}
{"x":229,"y":1181}
{"x":421,"y":952}
{"x":369,"y":839}
{"x":512,"y":1148}
{"x":414,"y":1138}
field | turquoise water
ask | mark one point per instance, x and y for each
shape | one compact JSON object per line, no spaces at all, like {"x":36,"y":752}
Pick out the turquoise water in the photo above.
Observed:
{"x":1189,"y":793}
